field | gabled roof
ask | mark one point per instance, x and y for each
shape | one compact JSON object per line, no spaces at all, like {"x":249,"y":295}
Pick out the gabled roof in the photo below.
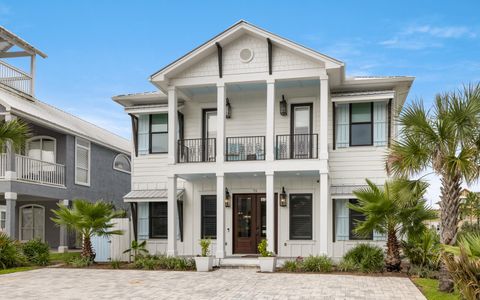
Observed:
{"x":50,"y":116}
{"x":239,"y":28}
{"x":8,"y":39}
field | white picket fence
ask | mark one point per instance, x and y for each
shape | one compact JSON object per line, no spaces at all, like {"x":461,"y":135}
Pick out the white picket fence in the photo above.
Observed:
{"x":111,"y":248}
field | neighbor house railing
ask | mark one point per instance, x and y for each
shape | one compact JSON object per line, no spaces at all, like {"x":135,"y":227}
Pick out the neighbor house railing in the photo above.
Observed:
{"x":15,"y":78}
{"x":297,"y":146}
{"x":197,"y":150}
{"x":245,"y":148}
{"x":34,"y":170}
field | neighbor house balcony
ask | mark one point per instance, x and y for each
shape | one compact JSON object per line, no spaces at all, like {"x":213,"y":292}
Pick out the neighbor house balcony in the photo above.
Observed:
{"x":15,"y":78}
{"x":296,"y":146}
{"x":33,"y":170}
{"x":197,"y":150}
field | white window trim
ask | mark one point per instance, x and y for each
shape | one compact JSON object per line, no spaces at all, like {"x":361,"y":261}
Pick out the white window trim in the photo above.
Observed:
{"x":21,"y":220}
{"x":3,"y":208}
{"x":42,"y":137}
{"x":89,"y":160}
{"x":128,"y":159}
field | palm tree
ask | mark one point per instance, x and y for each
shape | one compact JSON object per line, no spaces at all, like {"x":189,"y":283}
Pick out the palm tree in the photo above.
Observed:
{"x":396,"y":209}
{"x":14,"y":132}
{"x":445,"y":139}
{"x":471,"y":207}
{"x":88,"y":219}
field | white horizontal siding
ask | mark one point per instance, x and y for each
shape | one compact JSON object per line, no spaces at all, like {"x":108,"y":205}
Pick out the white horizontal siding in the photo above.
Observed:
{"x":149,"y":172}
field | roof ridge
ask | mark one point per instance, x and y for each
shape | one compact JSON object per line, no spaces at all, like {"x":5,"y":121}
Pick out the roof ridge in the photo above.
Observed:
{"x":81,"y":119}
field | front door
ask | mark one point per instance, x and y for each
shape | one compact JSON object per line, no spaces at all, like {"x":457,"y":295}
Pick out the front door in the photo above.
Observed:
{"x":250,"y":222}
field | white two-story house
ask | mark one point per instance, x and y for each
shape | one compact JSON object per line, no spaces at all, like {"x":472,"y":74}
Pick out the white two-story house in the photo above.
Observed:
{"x":251,"y":136}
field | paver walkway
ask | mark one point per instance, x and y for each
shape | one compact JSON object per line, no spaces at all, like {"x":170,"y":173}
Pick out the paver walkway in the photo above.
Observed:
{"x":97,"y":284}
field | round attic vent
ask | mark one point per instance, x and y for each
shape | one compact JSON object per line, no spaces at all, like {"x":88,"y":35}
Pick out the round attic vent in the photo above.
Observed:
{"x":246,"y":55}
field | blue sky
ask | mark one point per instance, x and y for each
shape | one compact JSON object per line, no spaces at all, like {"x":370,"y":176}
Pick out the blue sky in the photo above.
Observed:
{"x":98,"y":49}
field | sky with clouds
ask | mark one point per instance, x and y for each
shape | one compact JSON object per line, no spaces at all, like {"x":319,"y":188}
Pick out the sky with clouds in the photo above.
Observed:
{"x":98,"y":49}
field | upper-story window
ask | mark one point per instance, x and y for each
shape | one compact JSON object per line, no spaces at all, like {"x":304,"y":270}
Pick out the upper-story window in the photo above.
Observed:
{"x":42,"y":148}
{"x":152,"y":133}
{"x":361,"y":124}
{"x":122,"y":163}
{"x":82,"y":161}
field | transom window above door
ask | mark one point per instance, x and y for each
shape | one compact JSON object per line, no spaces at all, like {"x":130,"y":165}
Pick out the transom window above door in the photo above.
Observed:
{"x":42,"y":148}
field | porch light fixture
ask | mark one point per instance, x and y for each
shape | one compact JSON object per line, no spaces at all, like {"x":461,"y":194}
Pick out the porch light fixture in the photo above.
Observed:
{"x":283,"y":106}
{"x":227,"y":198}
{"x":283,"y":197}
{"x":228,"y":110}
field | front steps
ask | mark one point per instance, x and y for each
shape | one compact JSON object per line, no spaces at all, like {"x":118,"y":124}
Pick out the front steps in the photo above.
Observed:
{"x":239,"y":262}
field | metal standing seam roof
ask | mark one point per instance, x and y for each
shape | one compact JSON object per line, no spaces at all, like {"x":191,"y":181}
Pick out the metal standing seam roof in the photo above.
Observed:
{"x":145,"y":195}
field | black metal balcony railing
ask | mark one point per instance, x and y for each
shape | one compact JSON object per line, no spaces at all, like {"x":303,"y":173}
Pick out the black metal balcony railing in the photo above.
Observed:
{"x":197,"y":150}
{"x":245,"y":148}
{"x":297,"y":146}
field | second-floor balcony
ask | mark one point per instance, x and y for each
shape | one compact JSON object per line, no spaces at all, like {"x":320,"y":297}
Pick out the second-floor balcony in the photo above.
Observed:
{"x":15,"y":78}
{"x":296,"y":146}
{"x":197,"y":150}
{"x":33,"y":170}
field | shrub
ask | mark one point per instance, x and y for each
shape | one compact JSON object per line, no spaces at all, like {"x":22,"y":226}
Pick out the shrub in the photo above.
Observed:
{"x":468,"y":228}
{"x":137,"y":248}
{"x":10,"y":254}
{"x":115,"y":264}
{"x":291,"y":266}
{"x":347,"y":265}
{"x":424,"y":251}
{"x":37,"y":252}
{"x":366,"y":258}
{"x":321,"y":263}
{"x":205,"y":245}
{"x":422,"y":272}
{"x":162,"y":262}
{"x":80,"y":262}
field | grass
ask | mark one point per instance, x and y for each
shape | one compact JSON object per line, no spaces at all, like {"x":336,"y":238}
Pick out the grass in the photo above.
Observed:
{"x":56,"y":258}
{"x":429,"y":288}
{"x":14,"y":270}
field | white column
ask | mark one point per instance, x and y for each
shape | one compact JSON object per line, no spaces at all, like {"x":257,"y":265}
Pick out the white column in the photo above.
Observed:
{"x":323,"y":137}
{"x":220,"y":121}
{"x":172,"y":216}
{"x":325,"y":214}
{"x":63,"y":245}
{"x":10,"y":171}
{"x":32,"y":74}
{"x":11,"y":200}
{"x":270,"y":132}
{"x":220,"y":216}
{"x":172,"y":124}
{"x":270,"y":210}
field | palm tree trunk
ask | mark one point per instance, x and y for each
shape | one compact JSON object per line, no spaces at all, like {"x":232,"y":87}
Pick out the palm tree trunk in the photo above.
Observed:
{"x":392,"y":260}
{"x":87,"y":250}
{"x":449,"y":209}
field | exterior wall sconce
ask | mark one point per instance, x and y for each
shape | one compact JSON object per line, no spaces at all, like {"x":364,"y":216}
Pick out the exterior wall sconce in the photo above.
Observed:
{"x":227,"y":198}
{"x":228,"y":110}
{"x":283,"y":106}
{"x":283,"y":198}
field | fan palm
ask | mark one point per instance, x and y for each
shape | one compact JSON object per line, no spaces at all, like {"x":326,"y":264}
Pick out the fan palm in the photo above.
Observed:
{"x":88,"y":219}
{"x":396,"y":209}
{"x":445,"y":139}
{"x":15,"y":132}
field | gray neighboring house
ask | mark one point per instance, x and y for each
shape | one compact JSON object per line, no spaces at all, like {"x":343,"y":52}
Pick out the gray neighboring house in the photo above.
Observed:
{"x":64,"y":158}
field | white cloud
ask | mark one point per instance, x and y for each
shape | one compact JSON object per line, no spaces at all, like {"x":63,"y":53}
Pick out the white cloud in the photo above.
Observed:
{"x":441,"y":32}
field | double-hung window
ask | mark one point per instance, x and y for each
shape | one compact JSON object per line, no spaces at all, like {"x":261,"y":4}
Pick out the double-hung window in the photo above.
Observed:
{"x":301,"y":217}
{"x":346,"y":220}
{"x":82,"y":161}
{"x":159,"y":133}
{"x":361,"y":124}
{"x":158,"y":220}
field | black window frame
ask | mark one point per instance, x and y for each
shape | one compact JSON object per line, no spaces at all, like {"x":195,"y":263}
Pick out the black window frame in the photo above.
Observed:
{"x":151,"y":133}
{"x":180,"y":219}
{"x":151,"y":217}
{"x":291,"y":216}
{"x":353,"y":217}
{"x":203,"y":216}
{"x":360,"y":123}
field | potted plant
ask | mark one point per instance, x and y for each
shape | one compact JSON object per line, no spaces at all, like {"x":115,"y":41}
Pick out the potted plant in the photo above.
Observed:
{"x":204,"y":263}
{"x":267,"y":259}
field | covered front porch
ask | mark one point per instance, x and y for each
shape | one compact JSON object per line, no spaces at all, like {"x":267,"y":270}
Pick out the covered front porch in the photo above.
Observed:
{"x":237,"y":210}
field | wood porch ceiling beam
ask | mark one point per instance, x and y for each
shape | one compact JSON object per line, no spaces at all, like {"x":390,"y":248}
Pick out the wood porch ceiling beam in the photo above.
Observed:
{"x":220,"y":59}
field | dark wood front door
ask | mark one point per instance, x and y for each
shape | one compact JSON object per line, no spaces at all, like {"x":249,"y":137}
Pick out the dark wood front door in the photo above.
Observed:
{"x":250,"y":222}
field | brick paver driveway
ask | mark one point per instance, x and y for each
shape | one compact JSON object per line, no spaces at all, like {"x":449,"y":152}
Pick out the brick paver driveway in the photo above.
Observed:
{"x":221,"y":284}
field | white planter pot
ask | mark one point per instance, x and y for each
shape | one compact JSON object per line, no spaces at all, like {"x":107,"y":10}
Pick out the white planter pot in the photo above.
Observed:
{"x":267,"y":264}
{"x":204,"y":263}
